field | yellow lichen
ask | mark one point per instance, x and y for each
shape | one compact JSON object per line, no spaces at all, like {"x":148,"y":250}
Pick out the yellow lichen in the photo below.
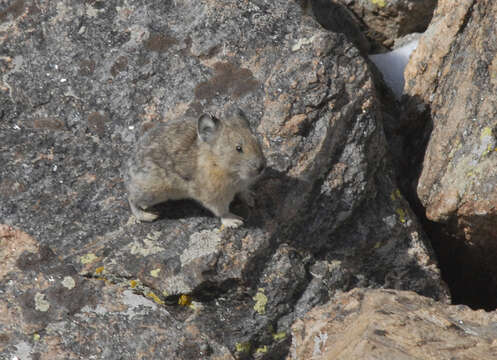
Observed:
{"x":155,"y":298}
{"x":88,"y":258}
{"x":486,"y":136}
{"x":260,"y":301}
{"x":279,"y":336}
{"x":395,"y":195}
{"x":155,"y":272}
{"x":185,"y":300}
{"x":402,"y":215}
{"x":261,"y":350}
{"x":380,"y":3}
{"x":99,"y":270}
{"x":133,"y":283}
{"x":243,"y":347}
{"x":485,"y":132}
{"x":377,"y":245}
{"x":36,"y":337}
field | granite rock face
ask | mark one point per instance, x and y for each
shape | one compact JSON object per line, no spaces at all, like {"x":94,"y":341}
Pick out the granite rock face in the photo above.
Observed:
{"x":386,"y":20}
{"x":51,"y":312}
{"x":393,"y":325}
{"x":78,"y":91}
{"x":450,"y":81}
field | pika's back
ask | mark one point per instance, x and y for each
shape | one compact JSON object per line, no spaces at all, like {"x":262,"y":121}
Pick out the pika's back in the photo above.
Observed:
{"x":169,"y":146}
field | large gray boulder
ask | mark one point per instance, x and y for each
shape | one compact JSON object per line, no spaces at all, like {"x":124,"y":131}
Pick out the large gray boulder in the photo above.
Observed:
{"x":83,"y":80}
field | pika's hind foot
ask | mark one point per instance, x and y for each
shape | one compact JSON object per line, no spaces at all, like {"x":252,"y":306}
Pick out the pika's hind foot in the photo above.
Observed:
{"x":232,"y":221}
{"x":142,"y":215}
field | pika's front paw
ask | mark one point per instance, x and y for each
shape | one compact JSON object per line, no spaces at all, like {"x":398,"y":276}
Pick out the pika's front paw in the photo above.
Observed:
{"x":232,"y":221}
{"x":142,"y":215}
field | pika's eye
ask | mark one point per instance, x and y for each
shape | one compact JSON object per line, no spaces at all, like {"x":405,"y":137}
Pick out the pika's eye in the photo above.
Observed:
{"x":239,"y":149}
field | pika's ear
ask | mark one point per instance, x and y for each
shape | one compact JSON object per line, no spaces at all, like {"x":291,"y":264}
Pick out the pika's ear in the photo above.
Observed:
{"x":240,"y":116}
{"x":208,"y":128}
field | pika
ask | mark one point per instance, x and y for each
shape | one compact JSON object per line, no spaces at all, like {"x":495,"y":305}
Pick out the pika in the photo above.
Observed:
{"x":205,"y":159}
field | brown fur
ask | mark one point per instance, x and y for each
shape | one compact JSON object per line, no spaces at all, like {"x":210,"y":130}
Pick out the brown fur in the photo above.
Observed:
{"x":195,"y":159}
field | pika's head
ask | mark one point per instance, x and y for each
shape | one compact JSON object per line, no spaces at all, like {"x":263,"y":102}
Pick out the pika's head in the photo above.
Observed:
{"x":232,"y":145}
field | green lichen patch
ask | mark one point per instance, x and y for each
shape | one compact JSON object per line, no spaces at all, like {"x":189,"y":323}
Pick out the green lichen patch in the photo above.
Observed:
{"x":260,"y":301}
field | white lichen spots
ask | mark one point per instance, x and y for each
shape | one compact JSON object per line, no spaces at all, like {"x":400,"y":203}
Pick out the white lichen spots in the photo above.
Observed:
{"x":88,"y":258}
{"x":41,"y":304}
{"x":137,"y":304}
{"x":99,"y":310}
{"x":148,"y":246}
{"x":93,"y":12}
{"x":68,"y":282}
{"x":201,"y":244}
{"x":260,"y":301}
{"x":303,"y":41}
{"x":319,"y":343}
{"x":155,"y":272}
{"x":390,"y":221}
{"x":23,"y":352}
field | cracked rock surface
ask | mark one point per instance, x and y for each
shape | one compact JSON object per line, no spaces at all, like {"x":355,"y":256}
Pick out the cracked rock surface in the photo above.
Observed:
{"x":451,"y":83}
{"x":81,"y":81}
{"x":393,"y":325}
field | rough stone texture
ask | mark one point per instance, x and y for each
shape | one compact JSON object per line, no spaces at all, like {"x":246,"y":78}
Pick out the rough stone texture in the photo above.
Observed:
{"x":451,"y":80}
{"x":50,"y":312}
{"x":393,"y":325}
{"x":386,"y":20}
{"x":336,"y":17}
{"x":79,"y":89}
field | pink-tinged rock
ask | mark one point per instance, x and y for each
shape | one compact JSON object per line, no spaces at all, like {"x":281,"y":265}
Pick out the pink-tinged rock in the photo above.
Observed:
{"x":393,"y":325}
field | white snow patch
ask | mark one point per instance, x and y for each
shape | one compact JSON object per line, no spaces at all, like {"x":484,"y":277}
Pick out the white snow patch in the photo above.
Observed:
{"x":392,"y":65}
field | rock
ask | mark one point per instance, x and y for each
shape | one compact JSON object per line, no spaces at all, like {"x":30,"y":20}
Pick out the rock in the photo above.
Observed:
{"x":387,"y":20}
{"x":51,"y":312}
{"x":388,"y":324}
{"x":450,"y":80}
{"x":336,"y":17}
{"x":328,"y":214}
